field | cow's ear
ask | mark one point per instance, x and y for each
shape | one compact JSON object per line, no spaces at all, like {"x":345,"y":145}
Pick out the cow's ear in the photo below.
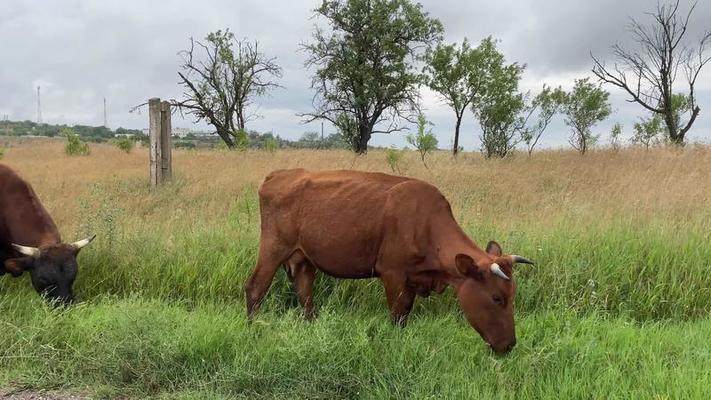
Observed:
{"x":16,"y":266}
{"x":467,"y":267}
{"x":494,"y":249}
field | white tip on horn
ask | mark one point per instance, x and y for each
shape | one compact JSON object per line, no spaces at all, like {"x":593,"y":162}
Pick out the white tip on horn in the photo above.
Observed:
{"x":26,"y":250}
{"x":83,"y":242}
{"x":496,"y":270}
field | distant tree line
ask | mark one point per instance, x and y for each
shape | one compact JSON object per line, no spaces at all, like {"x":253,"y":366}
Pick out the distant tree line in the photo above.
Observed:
{"x":98,"y":134}
{"x":89,"y":133}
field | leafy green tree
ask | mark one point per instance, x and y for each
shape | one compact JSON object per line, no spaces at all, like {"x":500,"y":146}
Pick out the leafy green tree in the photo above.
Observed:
{"x":501,"y":109}
{"x":366,"y":78}
{"x":548,"y":103}
{"x":424,"y":140}
{"x":310,"y":140}
{"x":648,"y":132}
{"x":453,"y":72}
{"x":223,"y":80}
{"x":584,"y":107}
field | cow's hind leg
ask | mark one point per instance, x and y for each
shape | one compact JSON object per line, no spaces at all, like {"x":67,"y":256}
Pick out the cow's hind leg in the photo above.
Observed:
{"x":400,"y":298}
{"x":302,"y":275}
{"x":271,"y":256}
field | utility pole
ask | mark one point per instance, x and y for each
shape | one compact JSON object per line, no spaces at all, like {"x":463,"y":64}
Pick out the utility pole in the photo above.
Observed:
{"x":39,"y":107}
{"x":106,"y":125}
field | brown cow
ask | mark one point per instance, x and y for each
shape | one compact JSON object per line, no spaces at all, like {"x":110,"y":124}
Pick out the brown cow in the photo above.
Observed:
{"x":30,"y":241}
{"x":362,"y":225}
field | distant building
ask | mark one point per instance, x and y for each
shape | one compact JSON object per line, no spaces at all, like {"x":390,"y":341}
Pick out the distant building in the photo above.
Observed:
{"x":181,"y":132}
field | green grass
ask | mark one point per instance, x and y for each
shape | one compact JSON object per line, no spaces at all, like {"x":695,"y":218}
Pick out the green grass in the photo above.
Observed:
{"x":139,"y":347}
{"x":617,"y":309}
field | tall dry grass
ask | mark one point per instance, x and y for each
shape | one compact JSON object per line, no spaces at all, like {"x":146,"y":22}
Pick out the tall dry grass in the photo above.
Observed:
{"x":671,"y":185}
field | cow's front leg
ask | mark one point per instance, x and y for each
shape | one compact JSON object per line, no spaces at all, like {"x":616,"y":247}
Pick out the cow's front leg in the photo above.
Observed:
{"x":400,"y":298}
{"x":270,"y":257}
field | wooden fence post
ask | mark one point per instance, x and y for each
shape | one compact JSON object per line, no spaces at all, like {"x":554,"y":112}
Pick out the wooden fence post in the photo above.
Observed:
{"x":155,"y":156}
{"x":166,"y":141}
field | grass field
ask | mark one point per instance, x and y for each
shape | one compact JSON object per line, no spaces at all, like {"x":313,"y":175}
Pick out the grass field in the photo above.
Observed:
{"x":618,"y":305}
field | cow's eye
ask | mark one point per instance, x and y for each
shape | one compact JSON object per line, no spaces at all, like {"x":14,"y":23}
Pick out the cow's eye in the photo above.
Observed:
{"x":498,"y":299}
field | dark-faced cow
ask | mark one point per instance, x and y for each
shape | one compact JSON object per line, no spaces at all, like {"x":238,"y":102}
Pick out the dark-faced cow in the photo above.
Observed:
{"x":361,"y":225}
{"x":30,"y":241}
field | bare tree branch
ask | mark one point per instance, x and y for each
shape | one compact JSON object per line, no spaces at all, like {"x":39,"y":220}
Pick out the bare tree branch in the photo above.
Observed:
{"x":648,"y":75}
{"x":221,"y":85}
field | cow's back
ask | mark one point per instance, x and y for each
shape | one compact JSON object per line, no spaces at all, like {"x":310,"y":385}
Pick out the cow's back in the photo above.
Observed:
{"x":334,"y":217}
{"x":23,"y":218}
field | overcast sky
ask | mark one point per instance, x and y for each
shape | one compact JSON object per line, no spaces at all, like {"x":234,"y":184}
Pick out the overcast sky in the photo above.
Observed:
{"x":82,"y":51}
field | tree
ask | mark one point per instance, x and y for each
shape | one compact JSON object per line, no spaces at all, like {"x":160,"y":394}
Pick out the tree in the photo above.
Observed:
{"x":615,"y":135}
{"x":74,"y":145}
{"x":549,"y":103}
{"x":450,"y":71}
{"x":220,"y":85}
{"x":501,"y":108}
{"x":310,"y":140}
{"x":365,"y":65}
{"x":647,"y":131}
{"x":648,"y":74}
{"x":424,"y":141}
{"x":584,"y":107}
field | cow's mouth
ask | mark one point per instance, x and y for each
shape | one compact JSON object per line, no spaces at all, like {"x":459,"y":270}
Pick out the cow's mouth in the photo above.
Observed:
{"x":502,"y":349}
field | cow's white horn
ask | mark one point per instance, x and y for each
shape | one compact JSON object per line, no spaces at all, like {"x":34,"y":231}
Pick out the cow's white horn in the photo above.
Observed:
{"x":81,"y":243}
{"x":496,"y":270}
{"x":27,"y":250}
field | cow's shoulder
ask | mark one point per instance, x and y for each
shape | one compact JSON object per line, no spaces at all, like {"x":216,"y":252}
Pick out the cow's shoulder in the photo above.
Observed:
{"x":12,"y":185}
{"x":419,"y":191}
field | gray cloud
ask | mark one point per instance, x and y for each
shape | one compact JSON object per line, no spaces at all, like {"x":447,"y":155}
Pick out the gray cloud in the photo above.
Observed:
{"x":80,"y":51}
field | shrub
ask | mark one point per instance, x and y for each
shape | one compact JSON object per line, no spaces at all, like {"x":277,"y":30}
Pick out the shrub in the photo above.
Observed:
{"x":2,"y":152}
{"x":241,"y":140}
{"x":271,"y":145}
{"x":393,"y":157}
{"x":125,"y":143}
{"x":424,"y":142}
{"x":74,"y":146}
{"x":615,"y":136}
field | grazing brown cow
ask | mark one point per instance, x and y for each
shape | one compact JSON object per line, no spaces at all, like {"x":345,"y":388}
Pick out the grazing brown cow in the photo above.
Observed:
{"x":30,"y":241}
{"x":355,"y":225}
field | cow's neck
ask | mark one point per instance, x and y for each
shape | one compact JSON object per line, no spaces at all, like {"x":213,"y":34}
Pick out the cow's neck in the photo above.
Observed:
{"x":453,"y":241}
